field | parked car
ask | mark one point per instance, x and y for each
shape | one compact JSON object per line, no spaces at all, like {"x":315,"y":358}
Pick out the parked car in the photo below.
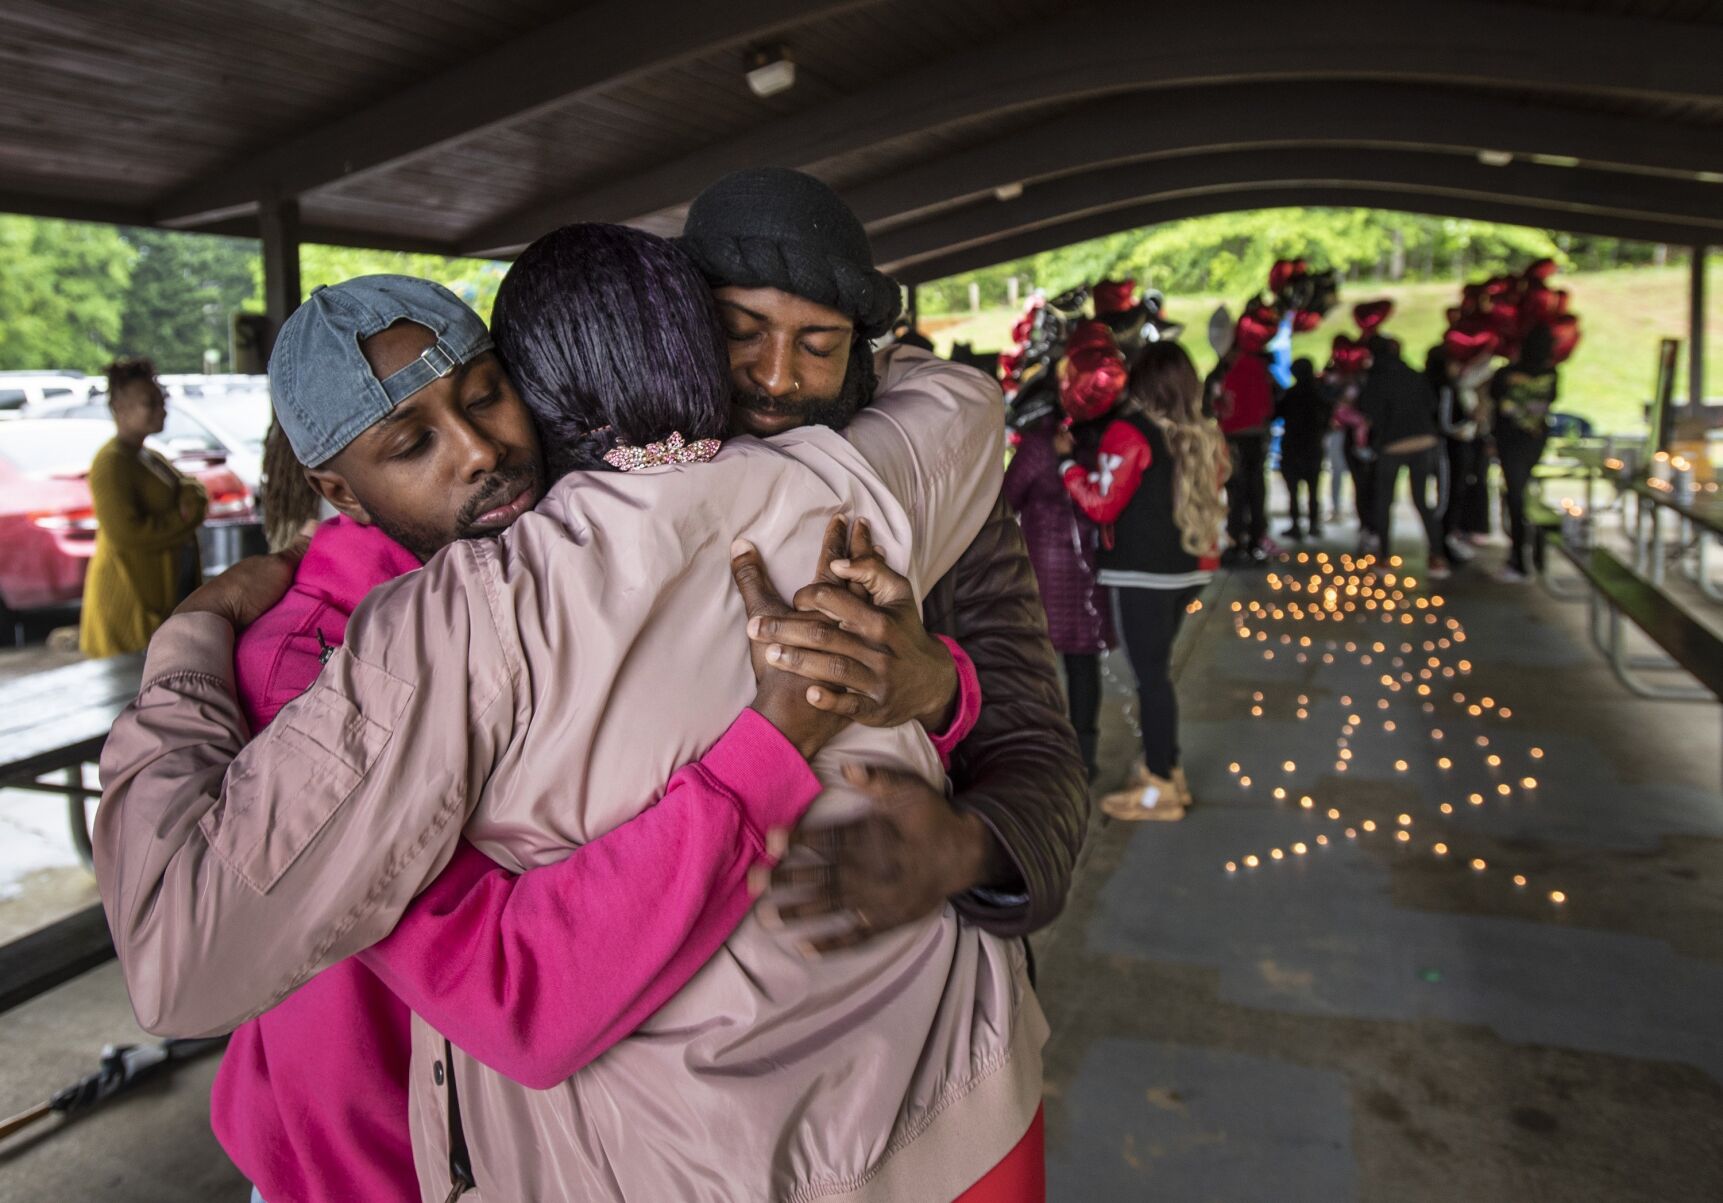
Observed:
{"x":47,"y":524}
{"x":204,"y":423}
{"x":21,"y":390}
{"x":238,"y":421}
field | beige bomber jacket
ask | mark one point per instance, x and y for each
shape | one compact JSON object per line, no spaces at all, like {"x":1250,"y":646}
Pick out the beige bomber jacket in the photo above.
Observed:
{"x":528,"y":691}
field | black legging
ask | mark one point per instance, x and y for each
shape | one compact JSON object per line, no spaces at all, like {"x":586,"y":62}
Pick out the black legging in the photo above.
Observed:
{"x":1149,"y":621}
{"x":1420,"y":468}
{"x":1468,"y":508}
{"x":1363,"y":481}
{"x":1247,"y":490}
{"x":1083,"y":696}
{"x":1306,"y":477}
{"x":1519,"y":453}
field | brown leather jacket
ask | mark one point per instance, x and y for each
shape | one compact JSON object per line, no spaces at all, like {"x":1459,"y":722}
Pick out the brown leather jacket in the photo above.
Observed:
{"x":1019,"y":769}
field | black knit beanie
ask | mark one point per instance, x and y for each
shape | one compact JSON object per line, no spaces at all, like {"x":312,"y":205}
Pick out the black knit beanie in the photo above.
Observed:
{"x":770,"y":227}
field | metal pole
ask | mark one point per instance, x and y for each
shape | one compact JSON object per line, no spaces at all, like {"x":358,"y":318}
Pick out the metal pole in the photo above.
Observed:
{"x":278,"y":223}
{"x":1696,"y":331}
{"x":914,"y":308}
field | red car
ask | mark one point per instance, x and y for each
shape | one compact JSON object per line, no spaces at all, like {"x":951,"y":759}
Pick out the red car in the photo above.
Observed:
{"x":47,"y":527}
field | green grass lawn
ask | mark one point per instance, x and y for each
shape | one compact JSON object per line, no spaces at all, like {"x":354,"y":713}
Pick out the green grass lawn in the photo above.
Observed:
{"x":1623,"y":315}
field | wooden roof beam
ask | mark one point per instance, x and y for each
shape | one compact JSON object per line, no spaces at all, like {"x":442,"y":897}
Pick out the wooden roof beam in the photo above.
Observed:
{"x":1144,"y":125}
{"x":1235,"y":199}
{"x":1063,"y":59}
{"x":599,"y":45}
{"x":1555,"y":190}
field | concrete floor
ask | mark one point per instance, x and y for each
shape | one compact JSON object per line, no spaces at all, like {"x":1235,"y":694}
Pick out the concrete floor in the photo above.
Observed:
{"x":1366,"y":1020}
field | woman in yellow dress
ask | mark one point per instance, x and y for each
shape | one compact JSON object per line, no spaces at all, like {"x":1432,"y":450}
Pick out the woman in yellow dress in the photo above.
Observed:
{"x":147,"y":515}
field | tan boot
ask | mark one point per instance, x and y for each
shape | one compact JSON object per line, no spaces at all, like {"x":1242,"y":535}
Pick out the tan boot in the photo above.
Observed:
{"x":1158,"y":800}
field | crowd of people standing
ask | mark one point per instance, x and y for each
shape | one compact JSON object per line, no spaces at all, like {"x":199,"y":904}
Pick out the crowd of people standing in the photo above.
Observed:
{"x":1119,"y":477}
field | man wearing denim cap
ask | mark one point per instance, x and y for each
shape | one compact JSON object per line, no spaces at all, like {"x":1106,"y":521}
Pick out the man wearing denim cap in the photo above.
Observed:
{"x":392,"y":396}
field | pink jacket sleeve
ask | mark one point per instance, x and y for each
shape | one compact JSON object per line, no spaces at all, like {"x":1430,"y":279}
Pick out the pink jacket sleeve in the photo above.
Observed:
{"x":534,"y":975}
{"x":538,"y":974}
{"x":968,"y":705}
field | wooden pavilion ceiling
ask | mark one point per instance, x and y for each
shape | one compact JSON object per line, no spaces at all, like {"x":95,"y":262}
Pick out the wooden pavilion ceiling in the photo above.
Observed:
{"x":472,"y":126}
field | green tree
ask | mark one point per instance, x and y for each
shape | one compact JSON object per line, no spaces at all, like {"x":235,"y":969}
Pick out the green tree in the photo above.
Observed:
{"x":1231,"y":253}
{"x":62,"y":293}
{"x":183,"y":288}
{"x":475,"y":281}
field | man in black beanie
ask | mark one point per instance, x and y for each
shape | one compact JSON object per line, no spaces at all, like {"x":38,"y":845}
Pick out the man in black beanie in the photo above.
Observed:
{"x":801,"y":302}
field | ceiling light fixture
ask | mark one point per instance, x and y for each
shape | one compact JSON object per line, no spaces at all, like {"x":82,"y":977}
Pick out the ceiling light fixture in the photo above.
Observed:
{"x":770,"y":71}
{"x":1495,"y":158}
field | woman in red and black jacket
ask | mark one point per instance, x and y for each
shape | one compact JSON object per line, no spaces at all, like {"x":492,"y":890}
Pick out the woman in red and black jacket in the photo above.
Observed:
{"x":1155,"y":491}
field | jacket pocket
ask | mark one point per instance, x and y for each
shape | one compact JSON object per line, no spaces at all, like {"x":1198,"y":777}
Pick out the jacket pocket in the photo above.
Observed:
{"x":284,"y":791}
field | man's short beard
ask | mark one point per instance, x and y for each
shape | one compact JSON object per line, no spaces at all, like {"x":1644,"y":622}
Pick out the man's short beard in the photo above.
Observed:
{"x":425,"y":540}
{"x":835,"y":412}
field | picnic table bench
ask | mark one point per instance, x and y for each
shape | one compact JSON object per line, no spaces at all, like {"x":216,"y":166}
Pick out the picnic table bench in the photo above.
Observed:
{"x":57,"y":721}
{"x":1699,"y":524}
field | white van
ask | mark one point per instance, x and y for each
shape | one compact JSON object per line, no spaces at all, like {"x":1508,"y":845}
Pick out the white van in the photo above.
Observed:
{"x":37,"y":390}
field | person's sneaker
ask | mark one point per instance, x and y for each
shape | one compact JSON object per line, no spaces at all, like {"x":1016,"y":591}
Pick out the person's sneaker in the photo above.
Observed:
{"x":1462,"y":551}
{"x":1477,"y":539}
{"x":1439,"y":570}
{"x":1509,"y":575}
{"x":1293,"y":532}
{"x":1157,"y":801}
{"x":1316,"y":532}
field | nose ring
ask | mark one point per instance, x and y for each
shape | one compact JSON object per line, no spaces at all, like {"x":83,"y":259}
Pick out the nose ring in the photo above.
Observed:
{"x":795,"y":385}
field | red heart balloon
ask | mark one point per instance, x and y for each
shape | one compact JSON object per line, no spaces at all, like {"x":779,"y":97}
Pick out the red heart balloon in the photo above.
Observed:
{"x":1090,"y":381}
{"x":1372,"y":314}
{"x":1091,"y":335}
{"x":1564,"y":337}
{"x":1467,"y":345}
{"x":1114,"y":296}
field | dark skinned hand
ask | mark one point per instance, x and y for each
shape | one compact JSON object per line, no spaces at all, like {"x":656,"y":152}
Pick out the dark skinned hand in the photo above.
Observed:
{"x":242,"y":593}
{"x":1064,"y":444}
{"x":779,"y":696}
{"x":896,"y":865}
{"x":856,"y":636}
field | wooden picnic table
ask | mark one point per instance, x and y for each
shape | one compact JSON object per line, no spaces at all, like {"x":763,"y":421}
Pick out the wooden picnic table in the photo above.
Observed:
{"x":57,"y":721}
{"x":51,"y":722}
{"x":1701,"y":518}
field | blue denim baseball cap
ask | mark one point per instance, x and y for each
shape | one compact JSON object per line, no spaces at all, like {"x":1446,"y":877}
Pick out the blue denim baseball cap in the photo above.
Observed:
{"x":324,"y":392}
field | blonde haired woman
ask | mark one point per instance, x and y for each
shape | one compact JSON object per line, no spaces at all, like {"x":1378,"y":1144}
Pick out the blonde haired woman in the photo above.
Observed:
{"x":1155,"y":491}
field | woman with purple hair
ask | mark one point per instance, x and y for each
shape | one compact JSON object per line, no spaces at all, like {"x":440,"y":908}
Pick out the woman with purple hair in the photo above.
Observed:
{"x":526,"y":692}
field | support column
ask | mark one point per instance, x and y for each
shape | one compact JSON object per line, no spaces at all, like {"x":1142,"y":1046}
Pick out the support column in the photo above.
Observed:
{"x":913,"y":309}
{"x":278,"y":223}
{"x":1696,"y":329}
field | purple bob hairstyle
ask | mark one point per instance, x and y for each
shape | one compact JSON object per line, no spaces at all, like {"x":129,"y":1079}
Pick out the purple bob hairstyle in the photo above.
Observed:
{"x":607,"y":326}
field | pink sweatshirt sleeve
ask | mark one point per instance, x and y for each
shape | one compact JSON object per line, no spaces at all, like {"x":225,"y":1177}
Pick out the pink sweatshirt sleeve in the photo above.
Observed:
{"x":536,"y":975}
{"x":968,"y":704}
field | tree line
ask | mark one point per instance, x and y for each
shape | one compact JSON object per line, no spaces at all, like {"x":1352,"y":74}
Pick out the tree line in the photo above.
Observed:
{"x":75,"y":295}
{"x":1230,"y":254}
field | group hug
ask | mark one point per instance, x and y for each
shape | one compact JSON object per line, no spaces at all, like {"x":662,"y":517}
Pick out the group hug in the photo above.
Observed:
{"x":642,"y":787}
